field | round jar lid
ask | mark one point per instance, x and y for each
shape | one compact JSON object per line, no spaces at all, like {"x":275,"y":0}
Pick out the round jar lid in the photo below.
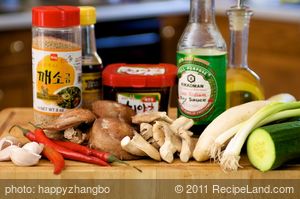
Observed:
{"x":139,"y":75}
{"x":55,"y":16}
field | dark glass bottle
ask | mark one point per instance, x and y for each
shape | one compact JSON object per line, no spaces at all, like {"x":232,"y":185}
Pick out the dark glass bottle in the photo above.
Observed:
{"x":91,"y":62}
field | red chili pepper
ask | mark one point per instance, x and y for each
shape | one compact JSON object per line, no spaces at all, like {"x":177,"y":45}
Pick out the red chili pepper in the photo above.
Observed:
{"x":87,"y":151}
{"x":55,"y":157}
{"x":26,"y":133}
{"x":50,"y":153}
{"x":67,"y":153}
{"x":108,"y":157}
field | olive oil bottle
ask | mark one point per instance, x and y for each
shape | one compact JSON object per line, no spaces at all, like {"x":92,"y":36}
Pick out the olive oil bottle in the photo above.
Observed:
{"x":242,"y":84}
{"x":201,"y":62}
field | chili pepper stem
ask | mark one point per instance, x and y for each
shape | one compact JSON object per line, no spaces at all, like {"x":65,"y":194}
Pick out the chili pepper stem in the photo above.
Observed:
{"x":115,"y":159}
{"x":34,"y":125}
{"x":25,"y":131}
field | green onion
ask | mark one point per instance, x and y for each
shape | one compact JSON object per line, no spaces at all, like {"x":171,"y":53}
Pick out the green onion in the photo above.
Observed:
{"x":231,"y":155}
{"x":221,"y":140}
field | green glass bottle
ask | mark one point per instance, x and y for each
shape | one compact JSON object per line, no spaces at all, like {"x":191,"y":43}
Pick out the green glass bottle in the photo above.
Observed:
{"x":201,"y":61}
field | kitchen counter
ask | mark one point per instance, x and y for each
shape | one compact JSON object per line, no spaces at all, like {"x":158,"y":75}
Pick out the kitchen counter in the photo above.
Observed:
{"x":151,"y":169}
{"x":269,"y":9}
{"x":154,"y":176}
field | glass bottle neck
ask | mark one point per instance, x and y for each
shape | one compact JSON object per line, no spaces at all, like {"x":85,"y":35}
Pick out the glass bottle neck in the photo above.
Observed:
{"x":202,"y":11}
{"x":239,"y":20}
{"x":88,"y":40}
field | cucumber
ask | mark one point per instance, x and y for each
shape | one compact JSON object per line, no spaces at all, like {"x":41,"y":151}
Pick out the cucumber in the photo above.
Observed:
{"x":271,"y":146}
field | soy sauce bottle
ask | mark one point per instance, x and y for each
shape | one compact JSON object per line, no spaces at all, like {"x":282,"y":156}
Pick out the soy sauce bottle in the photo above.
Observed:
{"x":91,"y":62}
{"x":201,"y":62}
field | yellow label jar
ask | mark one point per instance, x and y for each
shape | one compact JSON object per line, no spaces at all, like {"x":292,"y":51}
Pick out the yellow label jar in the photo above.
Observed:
{"x":56,"y":61}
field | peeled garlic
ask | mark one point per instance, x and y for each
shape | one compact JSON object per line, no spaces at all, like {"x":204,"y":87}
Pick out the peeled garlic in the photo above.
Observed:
{"x":22,"y":157}
{"x":8,"y":141}
{"x":28,"y":155}
{"x":5,"y":153}
{"x":34,"y":147}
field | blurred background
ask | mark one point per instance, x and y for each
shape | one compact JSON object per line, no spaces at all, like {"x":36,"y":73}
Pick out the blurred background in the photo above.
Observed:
{"x":147,"y":31}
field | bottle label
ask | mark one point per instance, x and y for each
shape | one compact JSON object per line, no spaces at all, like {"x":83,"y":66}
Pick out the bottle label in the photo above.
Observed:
{"x":140,"y":102}
{"x":56,"y":80}
{"x":201,"y":86}
{"x":91,"y":82}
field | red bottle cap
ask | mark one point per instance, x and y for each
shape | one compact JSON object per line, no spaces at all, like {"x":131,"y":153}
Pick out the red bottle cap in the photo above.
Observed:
{"x":139,"y":75}
{"x":55,"y":16}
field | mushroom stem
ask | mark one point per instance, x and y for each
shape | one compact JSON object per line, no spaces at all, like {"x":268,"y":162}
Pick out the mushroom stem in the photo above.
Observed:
{"x":127,"y":145}
{"x":146,"y":131}
{"x":181,"y":123}
{"x":171,"y":145}
{"x":158,"y":134}
{"x":140,"y":143}
{"x":187,"y":146}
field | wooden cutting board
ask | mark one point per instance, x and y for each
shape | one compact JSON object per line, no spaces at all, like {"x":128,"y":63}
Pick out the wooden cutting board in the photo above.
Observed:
{"x":151,"y":169}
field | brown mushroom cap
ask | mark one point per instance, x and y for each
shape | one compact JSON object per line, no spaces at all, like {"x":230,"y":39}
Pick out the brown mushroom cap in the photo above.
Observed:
{"x":106,"y":135}
{"x":70,"y":118}
{"x":107,"y":109}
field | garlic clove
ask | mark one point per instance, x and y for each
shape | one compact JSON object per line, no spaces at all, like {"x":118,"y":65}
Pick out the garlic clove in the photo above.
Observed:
{"x":34,"y":147}
{"x":8,"y":141}
{"x":22,"y":157}
{"x":5,"y":153}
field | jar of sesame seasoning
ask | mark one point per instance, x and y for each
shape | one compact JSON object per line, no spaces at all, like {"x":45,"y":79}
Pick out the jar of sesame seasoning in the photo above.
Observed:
{"x":56,"y":61}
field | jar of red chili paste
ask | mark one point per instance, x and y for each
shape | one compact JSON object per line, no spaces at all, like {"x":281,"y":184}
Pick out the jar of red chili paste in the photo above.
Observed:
{"x":143,"y":87}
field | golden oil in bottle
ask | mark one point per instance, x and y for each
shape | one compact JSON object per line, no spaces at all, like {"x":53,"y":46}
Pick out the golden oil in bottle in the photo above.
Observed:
{"x":242,"y":84}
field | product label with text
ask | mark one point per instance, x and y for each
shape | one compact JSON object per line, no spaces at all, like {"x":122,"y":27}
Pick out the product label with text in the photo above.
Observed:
{"x":56,"y":80}
{"x":140,"y":102}
{"x":201,"y":86}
